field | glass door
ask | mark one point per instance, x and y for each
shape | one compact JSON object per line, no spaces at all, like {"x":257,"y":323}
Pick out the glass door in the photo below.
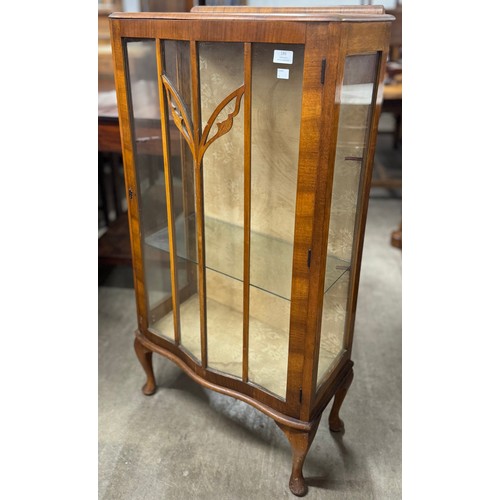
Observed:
{"x":218,"y":245}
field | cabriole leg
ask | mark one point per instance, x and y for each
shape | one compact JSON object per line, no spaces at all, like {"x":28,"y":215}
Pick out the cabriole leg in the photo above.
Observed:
{"x":300,"y":442}
{"x":335,"y":422}
{"x":146,"y":359}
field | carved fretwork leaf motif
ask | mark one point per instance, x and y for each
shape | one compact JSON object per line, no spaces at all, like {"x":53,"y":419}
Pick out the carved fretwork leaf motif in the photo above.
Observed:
{"x":180,"y":114}
{"x":183,"y":122}
{"x":225,"y":126}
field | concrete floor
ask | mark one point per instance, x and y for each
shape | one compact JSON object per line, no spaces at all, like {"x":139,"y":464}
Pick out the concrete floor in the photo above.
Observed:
{"x":186,"y":442}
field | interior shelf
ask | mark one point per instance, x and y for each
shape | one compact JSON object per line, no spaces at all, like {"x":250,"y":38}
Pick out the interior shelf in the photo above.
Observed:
{"x":224,"y":254}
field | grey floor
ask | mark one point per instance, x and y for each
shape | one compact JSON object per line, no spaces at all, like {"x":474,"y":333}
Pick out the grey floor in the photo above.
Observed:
{"x":186,"y":442}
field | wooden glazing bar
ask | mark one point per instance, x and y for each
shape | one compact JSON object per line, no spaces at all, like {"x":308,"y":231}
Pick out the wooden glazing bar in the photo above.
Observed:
{"x":168,"y":192}
{"x":200,"y":218}
{"x":247,"y":202}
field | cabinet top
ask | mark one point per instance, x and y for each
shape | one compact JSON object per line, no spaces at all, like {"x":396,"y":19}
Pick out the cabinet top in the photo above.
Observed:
{"x":355,"y":13}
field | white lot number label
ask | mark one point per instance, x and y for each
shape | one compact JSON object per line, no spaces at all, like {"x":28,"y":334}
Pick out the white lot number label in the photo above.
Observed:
{"x":283,"y":73}
{"x":283,"y":56}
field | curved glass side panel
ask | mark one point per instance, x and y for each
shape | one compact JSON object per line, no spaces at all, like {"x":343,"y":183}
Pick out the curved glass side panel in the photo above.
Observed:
{"x":356,"y":104}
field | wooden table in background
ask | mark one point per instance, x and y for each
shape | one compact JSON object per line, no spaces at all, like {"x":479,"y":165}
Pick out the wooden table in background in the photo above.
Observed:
{"x":393,"y":98}
{"x":114,"y":244}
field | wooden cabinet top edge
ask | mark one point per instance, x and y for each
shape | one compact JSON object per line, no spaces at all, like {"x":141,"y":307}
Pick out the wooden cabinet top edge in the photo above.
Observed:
{"x":253,"y":16}
{"x":333,"y":9}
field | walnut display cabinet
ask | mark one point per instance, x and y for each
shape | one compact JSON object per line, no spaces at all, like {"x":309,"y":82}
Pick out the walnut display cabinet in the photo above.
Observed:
{"x":248,"y":138}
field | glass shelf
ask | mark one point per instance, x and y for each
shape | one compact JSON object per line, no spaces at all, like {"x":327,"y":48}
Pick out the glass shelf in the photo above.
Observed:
{"x":272,"y":277}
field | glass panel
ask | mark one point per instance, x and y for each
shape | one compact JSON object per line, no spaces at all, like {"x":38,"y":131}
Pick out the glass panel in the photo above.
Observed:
{"x":182,"y":190}
{"x":333,"y":324}
{"x":350,"y":160}
{"x":276,"y":113}
{"x":268,"y":341}
{"x":221,"y":73}
{"x":190,"y":315}
{"x":146,"y":128}
{"x":224,"y":323}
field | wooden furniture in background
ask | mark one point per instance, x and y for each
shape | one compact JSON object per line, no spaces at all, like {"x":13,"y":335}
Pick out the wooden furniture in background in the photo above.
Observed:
{"x":397,"y":237}
{"x":104,"y":57}
{"x":392,"y":104}
{"x":392,"y":100}
{"x":114,"y":243}
{"x":247,"y":222}
{"x":166,"y":5}
{"x":396,"y":40}
{"x":393,"y":89}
